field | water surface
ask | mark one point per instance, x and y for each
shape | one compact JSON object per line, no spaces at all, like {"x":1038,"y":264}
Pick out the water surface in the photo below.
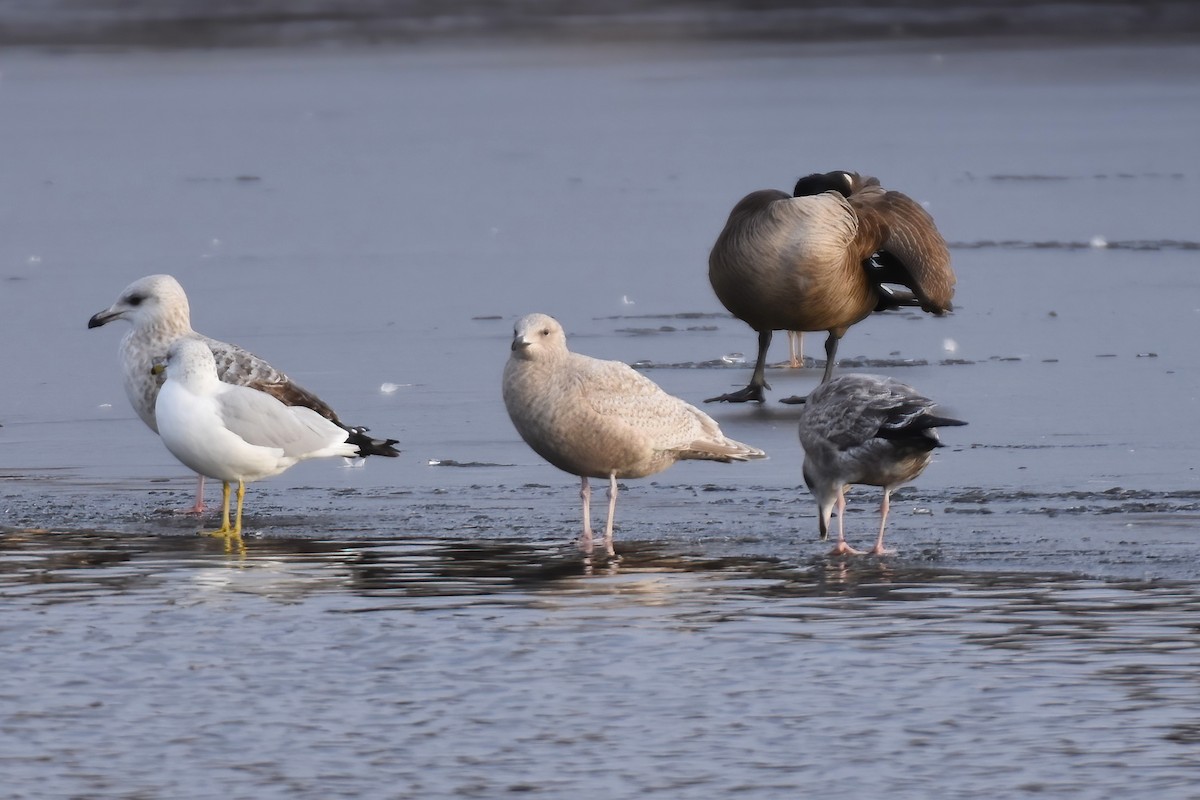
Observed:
{"x":421,"y":626}
{"x":306,"y":668}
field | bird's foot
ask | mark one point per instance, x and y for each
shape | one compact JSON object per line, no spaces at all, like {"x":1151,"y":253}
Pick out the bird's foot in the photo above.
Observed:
{"x":225,"y":531}
{"x":843,"y":549}
{"x":794,"y":400}
{"x":879,"y":550}
{"x":586,"y":544}
{"x":199,"y":507}
{"x":751,"y":393}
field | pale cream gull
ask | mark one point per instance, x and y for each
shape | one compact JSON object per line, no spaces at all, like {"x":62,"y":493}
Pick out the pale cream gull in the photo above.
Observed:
{"x":601,"y":419}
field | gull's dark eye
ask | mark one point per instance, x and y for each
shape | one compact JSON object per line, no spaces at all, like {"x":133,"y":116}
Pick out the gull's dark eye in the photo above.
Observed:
{"x":136,"y":299}
{"x":545,"y":331}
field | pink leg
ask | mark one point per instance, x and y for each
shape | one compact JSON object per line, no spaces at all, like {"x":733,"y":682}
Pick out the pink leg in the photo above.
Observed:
{"x":585,"y":540}
{"x":841,"y":548}
{"x":199,"y":507}
{"x":612,"y":507}
{"x":796,"y":348}
{"x":878,"y":550}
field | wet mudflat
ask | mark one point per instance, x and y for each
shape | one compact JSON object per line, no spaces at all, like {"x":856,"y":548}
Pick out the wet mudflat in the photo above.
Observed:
{"x":374,"y":221}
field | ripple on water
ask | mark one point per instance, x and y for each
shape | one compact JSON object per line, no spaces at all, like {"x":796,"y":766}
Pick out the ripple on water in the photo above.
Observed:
{"x":307,"y":668}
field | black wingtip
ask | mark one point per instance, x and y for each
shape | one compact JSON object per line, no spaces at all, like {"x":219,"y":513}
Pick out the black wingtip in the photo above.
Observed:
{"x":916,"y":431}
{"x":372,"y":447}
{"x":930,"y":421}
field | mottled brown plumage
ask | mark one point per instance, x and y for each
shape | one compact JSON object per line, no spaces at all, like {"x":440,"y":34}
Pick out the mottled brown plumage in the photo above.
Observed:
{"x":816,"y":261}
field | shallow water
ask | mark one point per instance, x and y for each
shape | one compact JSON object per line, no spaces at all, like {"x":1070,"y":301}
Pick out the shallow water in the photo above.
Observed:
{"x":421,"y":626}
{"x":308,"y":668}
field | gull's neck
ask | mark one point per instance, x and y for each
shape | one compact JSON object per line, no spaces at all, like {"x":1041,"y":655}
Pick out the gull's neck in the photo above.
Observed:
{"x":166,"y":328}
{"x":199,"y":379}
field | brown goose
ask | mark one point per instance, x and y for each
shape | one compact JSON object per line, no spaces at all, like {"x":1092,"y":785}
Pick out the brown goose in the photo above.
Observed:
{"x":820,"y":259}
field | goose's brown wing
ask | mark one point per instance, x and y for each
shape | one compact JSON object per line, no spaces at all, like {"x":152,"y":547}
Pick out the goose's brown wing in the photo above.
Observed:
{"x":909,"y":246}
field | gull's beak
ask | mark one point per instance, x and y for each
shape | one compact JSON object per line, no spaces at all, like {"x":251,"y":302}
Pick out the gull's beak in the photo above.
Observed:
{"x":519,"y":343}
{"x":823,"y":525}
{"x":158,"y":369}
{"x":103,"y":318}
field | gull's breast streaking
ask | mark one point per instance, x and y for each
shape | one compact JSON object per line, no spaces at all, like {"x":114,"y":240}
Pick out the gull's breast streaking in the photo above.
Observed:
{"x":235,"y":434}
{"x":601,"y":419}
{"x":158,"y":310}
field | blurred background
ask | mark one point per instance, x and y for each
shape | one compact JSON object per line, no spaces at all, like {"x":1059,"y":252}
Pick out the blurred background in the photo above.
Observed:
{"x":223,"y":23}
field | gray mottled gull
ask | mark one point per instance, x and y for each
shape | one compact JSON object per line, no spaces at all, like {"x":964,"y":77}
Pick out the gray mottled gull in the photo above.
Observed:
{"x":235,"y":434}
{"x":601,"y":419}
{"x":865,"y":429}
{"x":823,"y":259}
{"x":158,"y":309}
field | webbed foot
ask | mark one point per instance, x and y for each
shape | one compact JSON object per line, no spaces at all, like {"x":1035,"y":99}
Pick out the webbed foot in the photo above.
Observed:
{"x":751,"y":393}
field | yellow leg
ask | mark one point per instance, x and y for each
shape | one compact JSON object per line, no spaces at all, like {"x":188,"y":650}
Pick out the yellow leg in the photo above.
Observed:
{"x":225,"y":529}
{"x":237,"y":528}
{"x":234,"y":543}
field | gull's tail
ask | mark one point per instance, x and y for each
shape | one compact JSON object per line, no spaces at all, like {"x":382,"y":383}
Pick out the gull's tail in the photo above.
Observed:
{"x":371,"y":447}
{"x":726,"y":450}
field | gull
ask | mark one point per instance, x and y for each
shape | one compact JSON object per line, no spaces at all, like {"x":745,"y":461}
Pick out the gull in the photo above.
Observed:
{"x":157,"y":307}
{"x":235,"y":433}
{"x":824,"y":258}
{"x":601,"y":419}
{"x":795,"y":349}
{"x":865,"y":429}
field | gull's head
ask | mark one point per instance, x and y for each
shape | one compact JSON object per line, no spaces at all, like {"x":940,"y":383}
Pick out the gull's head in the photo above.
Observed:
{"x":190,"y":359}
{"x":824,"y":491}
{"x":538,"y":336}
{"x":150,"y":301}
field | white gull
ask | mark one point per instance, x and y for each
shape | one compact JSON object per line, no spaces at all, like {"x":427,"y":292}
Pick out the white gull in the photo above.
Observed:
{"x":234,"y":433}
{"x":158,"y":309}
